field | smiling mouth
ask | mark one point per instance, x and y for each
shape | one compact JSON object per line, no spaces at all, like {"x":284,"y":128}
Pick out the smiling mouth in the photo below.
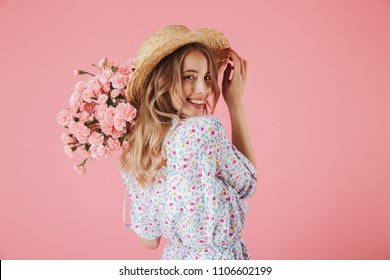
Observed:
{"x":196,"y":101}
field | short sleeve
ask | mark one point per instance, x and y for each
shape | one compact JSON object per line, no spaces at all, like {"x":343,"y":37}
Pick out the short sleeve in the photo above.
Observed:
{"x":144,"y":216}
{"x":229,"y":164}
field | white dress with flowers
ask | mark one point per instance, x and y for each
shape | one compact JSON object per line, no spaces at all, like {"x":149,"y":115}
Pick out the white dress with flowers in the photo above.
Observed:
{"x":200,"y":206}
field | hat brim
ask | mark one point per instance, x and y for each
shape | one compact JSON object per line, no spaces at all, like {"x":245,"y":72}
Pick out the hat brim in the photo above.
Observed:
{"x":165,"y":42}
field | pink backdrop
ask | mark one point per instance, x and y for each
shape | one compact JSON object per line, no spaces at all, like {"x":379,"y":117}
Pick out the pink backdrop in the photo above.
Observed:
{"x":317,"y":104}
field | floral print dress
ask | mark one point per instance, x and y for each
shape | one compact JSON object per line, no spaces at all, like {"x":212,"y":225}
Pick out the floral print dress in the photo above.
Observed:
{"x":200,"y":205}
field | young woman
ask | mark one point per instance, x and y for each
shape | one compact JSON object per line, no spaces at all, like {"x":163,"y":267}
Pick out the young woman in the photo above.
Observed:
{"x":186,"y":181}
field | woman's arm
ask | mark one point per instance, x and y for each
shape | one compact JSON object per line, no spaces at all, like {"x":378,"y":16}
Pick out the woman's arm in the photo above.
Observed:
{"x":232,"y":91}
{"x":150,"y":244}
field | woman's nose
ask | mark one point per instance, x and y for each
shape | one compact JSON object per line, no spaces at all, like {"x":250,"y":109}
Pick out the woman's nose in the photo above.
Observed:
{"x":201,"y":86}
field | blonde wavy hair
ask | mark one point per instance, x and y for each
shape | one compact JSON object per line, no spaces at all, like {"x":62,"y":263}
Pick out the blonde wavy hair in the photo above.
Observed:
{"x":145,"y":156}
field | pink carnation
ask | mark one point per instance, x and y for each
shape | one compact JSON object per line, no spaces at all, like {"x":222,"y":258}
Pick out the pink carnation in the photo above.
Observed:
{"x":75,"y":100}
{"x":126,"y":111}
{"x":83,"y":152}
{"x":131,"y":63}
{"x":94,"y":85}
{"x":80,"y":131}
{"x":124,"y":70}
{"x":93,"y":152}
{"x":66,"y":138}
{"x":107,"y":122}
{"x":95,"y":139}
{"x":125,"y":144}
{"x":106,"y":127}
{"x":116,"y":133}
{"x":68,"y":151}
{"x":102,"y":98}
{"x":114,"y":145}
{"x":87,"y":95}
{"x":80,"y":87}
{"x":119,"y":123}
{"x":115,"y":93}
{"x":102,"y":62}
{"x":88,"y":107}
{"x":84,"y":117}
{"x":100,"y":112}
{"x":118,"y":81}
{"x":98,"y":105}
{"x":105,"y":76}
{"x":106,"y":87}
{"x":79,"y":169}
{"x":103,"y":151}
{"x":64,"y":117}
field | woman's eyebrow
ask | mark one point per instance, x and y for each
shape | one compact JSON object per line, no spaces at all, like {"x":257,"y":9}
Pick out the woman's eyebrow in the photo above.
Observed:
{"x":190,"y":70}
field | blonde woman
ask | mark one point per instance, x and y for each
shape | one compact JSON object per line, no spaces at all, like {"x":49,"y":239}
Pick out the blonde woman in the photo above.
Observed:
{"x":187,"y":182}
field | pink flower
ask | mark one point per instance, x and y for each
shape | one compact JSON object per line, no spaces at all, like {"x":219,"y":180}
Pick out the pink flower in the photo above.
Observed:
{"x":126,"y":111}
{"x":75,"y":100}
{"x":84,"y":117}
{"x":97,"y":105}
{"x":100,"y":111}
{"x":68,"y":151}
{"x":80,"y":131}
{"x":79,"y":168}
{"x":94,"y":85}
{"x":88,"y":107}
{"x":131,"y":63}
{"x":93,"y":152}
{"x":106,"y":127}
{"x":95,"y":139}
{"x":116,"y":133}
{"x":102,"y":99}
{"x":83,"y":152}
{"x":103,"y":151}
{"x":106,"y":87}
{"x":105,"y":76}
{"x":64,"y":117}
{"x":114,"y":145}
{"x":124,"y":70}
{"x":80,"y":87}
{"x":107,"y":121}
{"x":66,"y":138}
{"x":115,"y":93}
{"x":87,"y":95}
{"x":102,"y":62}
{"x":119,"y":124}
{"x":118,"y":81}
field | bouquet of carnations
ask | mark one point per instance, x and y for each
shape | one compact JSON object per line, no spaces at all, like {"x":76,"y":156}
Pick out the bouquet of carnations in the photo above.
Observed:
{"x":99,"y":116}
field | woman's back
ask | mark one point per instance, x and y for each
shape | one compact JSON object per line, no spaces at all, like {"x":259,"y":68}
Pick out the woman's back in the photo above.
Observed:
{"x":198,"y":202}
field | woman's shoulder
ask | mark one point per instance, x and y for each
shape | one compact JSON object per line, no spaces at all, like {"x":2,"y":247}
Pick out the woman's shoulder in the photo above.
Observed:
{"x":205,"y":127}
{"x":205,"y":121}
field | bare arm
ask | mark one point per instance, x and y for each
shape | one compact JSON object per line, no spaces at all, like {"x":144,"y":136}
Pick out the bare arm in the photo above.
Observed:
{"x":233,"y":94}
{"x":150,"y":244}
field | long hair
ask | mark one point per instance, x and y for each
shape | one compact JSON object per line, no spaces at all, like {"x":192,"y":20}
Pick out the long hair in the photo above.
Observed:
{"x":145,"y":156}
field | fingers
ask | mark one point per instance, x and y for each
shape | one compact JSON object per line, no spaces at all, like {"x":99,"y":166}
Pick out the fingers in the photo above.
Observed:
{"x":226,"y":74}
{"x":240,"y":64}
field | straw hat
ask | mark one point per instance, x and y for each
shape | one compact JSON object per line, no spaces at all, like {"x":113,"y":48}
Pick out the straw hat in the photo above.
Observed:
{"x":165,"y":42}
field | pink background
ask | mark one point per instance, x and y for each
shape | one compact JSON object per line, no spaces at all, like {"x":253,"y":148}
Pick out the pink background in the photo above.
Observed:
{"x":317,"y":104}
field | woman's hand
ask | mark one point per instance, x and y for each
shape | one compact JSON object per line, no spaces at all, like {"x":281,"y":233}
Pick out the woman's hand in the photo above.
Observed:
{"x":232,"y":90}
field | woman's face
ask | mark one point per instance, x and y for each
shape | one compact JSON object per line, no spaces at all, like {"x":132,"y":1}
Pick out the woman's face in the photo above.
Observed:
{"x":195,"y":84}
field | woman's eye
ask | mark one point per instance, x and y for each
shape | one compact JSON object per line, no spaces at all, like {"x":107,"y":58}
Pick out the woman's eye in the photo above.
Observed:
{"x":189,"y":77}
{"x":207,"y":78}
